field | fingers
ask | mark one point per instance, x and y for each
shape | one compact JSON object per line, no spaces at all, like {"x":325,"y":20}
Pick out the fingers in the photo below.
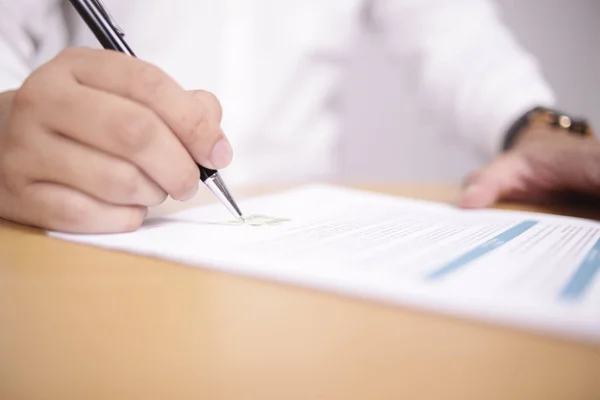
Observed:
{"x":107,"y":178}
{"x":126,"y":130}
{"x":208,"y":131}
{"x":59,"y":208}
{"x":194,"y":117}
{"x":501,"y":179}
{"x":94,"y":137}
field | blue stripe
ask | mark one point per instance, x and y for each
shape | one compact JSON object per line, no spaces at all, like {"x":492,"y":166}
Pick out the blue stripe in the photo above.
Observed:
{"x":585,"y":274}
{"x":482,"y":249}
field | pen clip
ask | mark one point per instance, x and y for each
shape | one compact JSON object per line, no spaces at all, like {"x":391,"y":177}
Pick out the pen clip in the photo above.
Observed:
{"x":102,"y":8}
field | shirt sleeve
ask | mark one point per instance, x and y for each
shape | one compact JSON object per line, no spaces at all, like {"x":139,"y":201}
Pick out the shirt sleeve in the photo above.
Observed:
{"x":471,"y":70}
{"x":31,"y":32}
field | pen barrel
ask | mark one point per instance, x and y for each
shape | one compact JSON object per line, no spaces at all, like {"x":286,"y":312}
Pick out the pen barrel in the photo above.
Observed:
{"x":106,"y":34}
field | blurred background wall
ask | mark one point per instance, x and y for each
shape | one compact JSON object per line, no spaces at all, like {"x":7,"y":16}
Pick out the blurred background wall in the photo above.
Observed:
{"x":563,"y":34}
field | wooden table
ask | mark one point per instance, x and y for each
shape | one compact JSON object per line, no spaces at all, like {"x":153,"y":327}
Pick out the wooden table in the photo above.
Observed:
{"x":84,"y":323}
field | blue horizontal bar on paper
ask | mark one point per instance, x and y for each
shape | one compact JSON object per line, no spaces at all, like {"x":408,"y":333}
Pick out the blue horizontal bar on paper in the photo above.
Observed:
{"x":584,"y":275}
{"x":481,"y":250}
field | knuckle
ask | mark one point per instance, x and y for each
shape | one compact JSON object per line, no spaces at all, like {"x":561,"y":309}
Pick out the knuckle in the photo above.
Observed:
{"x":196,"y":125}
{"x":201,"y":122}
{"x":25,"y":97}
{"x":134,"y":131}
{"x":147,"y":82}
{"x":122,"y":182}
{"x":214,"y":104}
{"x":42,"y":87}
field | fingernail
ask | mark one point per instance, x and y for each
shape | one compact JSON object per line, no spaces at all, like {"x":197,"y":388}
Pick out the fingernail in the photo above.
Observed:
{"x":221,"y":154}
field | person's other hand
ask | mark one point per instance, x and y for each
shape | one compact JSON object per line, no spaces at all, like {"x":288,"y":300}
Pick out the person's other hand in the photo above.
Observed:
{"x":94,"y":137}
{"x":543,"y":164}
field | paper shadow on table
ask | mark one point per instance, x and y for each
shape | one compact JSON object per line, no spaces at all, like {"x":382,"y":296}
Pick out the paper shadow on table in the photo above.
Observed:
{"x":568,"y":204}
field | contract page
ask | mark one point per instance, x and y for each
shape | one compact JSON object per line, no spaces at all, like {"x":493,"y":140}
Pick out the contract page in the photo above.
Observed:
{"x":530,"y":270}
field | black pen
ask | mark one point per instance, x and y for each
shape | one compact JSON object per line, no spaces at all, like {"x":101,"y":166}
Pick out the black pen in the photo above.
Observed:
{"x":111,"y":37}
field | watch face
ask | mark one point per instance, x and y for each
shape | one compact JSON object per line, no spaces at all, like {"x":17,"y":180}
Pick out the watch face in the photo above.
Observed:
{"x":562,"y":120}
{"x":544,"y":116}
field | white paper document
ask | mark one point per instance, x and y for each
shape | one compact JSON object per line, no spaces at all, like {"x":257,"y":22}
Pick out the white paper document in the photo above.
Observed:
{"x":528,"y":270}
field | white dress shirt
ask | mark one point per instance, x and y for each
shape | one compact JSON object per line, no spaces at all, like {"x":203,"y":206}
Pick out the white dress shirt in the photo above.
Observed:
{"x":277,"y":66}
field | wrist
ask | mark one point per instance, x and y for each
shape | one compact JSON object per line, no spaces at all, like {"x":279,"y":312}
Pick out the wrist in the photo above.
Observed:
{"x":537,"y":133}
{"x":544,"y":123}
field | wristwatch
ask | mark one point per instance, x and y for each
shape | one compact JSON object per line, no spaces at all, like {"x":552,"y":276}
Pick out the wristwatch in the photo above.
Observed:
{"x":544,"y":116}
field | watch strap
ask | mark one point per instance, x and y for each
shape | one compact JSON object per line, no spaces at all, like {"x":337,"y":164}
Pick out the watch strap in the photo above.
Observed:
{"x":548,"y":117}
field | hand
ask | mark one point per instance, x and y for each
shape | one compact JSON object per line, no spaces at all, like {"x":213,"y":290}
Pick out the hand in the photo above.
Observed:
{"x":544,"y":163}
{"x":94,"y":137}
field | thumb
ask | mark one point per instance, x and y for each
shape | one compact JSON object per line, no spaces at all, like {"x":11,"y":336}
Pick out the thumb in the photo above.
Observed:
{"x":501,"y":179}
